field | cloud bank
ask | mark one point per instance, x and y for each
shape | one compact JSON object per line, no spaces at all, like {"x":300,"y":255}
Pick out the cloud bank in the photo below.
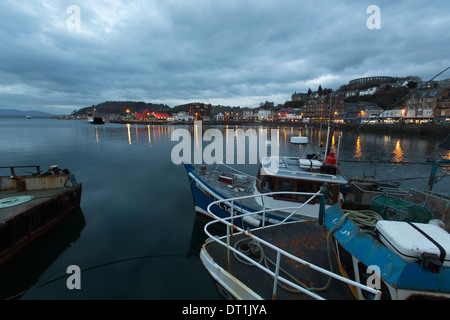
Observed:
{"x":237,"y":53}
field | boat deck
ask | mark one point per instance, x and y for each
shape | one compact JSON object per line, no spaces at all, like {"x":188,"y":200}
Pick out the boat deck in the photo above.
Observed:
{"x":40,"y":197}
{"x":243,"y":186}
{"x":290,"y":167}
{"x":306,"y":240}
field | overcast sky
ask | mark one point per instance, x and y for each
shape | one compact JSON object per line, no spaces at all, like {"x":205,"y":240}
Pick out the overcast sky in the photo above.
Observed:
{"x":56,"y":58}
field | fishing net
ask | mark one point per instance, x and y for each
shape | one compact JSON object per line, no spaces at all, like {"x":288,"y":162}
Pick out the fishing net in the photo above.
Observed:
{"x":391,"y":208}
{"x":438,"y":205}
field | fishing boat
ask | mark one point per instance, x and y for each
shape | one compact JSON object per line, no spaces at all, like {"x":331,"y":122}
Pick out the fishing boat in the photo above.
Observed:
{"x":290,"y":191}
{"x":32,"y":203}
{"x":398,"y":246}
{"x":403,"y":240}
{"x":396,"y":251}
{"x":283,"y":261}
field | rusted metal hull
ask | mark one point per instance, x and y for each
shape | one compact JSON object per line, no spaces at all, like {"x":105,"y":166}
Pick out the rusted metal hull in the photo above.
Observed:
{"x":53,"y":198}
{"x":305,"y":240}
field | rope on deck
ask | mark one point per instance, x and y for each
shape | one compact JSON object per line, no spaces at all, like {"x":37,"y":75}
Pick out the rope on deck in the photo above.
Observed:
{"x":362,"y":218}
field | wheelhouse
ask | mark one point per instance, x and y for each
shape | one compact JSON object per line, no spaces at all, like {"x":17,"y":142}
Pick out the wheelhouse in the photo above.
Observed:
{"x":295,"y":176}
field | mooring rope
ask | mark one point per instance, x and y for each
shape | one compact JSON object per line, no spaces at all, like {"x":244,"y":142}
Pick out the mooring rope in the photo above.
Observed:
{"x":125,"y":237}
{"x":362,"y":218}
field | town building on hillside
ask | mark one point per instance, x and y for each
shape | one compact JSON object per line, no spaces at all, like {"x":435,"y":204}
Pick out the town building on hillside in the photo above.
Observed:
{"x":394,"y":115}
{"x":361,"y":112}
{"x":351,"y":93}
{"x":323,"y":108}
{"x":142,"y":116}
{"x":200,"y":111}
{"x":371,"y":80}
{"x":247,"y":114}
{"x":370,"y":112}
{"x":162,"y":116}
{"x":421,"y":105}
{"x":264,"y":114}
{"x":368,"y":91}
{"x":219,"y":117}
{"x":442,"y":111}
{"x":183,"y":117}
{"x":298,"y":96}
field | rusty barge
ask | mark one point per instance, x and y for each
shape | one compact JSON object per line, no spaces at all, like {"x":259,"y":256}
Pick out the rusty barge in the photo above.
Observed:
{"x":33,"y":203}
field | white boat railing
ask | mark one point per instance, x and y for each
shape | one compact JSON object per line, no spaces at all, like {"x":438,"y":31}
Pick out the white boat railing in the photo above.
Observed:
{"x":296,"y":209}
{"x":231,"y":228}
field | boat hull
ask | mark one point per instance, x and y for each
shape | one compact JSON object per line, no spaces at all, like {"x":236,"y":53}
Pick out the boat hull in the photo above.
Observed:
{"x":33,"y":221}
{"x":396,"y":278}
{"x":32,"y":205}
{"x":203,"y":195}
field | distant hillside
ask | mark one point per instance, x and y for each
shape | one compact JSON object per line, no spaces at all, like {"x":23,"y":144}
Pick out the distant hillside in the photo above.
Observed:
{"x":20,"y":113}
{"x":385,"y":97}
{"x":121,"y":107}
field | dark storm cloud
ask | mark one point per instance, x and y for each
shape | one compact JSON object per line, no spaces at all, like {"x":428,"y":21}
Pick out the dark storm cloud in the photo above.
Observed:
{"x":224,"y":52}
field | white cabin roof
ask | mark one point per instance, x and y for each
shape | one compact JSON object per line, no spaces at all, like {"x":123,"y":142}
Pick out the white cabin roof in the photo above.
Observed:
{"x":298,"y":168}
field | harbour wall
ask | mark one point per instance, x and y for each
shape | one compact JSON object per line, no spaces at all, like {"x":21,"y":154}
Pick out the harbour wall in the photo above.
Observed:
{"x":420,"y":129}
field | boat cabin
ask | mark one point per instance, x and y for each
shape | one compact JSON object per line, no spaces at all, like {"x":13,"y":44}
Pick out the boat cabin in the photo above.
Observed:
{"x":300,"y":175}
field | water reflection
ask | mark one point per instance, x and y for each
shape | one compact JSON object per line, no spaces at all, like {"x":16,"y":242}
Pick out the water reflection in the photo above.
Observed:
{"x":358,"y":153}
{"x":147,"y":134}
{"x":129,"y":134}
{"x":398,"y":152}
{"x":25,"y":269}
{"x":149,"y":137}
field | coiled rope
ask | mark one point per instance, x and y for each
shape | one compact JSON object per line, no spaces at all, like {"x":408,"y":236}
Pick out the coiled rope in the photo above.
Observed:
{"x":362,"y":218}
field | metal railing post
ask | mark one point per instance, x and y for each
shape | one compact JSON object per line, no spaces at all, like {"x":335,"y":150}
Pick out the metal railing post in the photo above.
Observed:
{"x":322,"y":206}
{"x":275,"y":280}
{"x":228,"y":248}
{"x":232,"y":214}
{"x":263,"y":197}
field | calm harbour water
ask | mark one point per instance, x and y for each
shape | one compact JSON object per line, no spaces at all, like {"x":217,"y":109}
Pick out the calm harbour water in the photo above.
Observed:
{"x":128,"y":177}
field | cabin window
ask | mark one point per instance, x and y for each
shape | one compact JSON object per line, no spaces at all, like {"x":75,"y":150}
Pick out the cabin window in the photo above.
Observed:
{"x":285,"y":185}
{"x":271,"y":184}
{"x":267,"y":184}
{"x":332,"y":194}
{"x":258,"y":181}
{"x":306,"y":186}
{"x":295,"y":186}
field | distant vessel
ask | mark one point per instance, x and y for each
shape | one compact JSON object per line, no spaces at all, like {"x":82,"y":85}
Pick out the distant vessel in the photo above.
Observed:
{"x":95,"y":120}
{"x":28,"y":116}
{"x":299,"y":140}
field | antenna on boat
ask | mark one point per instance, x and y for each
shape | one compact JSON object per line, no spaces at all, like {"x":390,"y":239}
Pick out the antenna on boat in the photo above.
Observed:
{"x":326,"y":146}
